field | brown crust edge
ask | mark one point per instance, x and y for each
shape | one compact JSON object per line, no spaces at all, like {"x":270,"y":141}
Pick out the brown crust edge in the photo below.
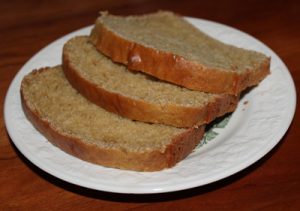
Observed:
{"x":184,"y":72}
{"x":181,"y":145}
{"x":174,"y":115}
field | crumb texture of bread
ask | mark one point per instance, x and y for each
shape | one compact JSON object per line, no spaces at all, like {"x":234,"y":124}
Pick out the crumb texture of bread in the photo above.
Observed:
{"x":136,"y":95}
{"x":166,"y":46}
{"x":89,"y":132}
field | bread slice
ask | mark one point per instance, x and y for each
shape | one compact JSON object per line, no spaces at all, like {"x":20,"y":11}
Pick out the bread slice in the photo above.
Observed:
{"x":91,"y":133}
{"x":166,"y":46}
{"x":136,"y":95}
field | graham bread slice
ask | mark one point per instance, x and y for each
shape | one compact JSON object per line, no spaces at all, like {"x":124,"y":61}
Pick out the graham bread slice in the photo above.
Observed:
{"x":136,"y":95}
{"x":89,"y":132}
{"x":166,"y":46}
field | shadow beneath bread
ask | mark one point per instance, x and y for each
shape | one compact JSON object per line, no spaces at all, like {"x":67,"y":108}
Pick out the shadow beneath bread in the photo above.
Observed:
{"x":245,"y":92}
{"x":143,"y":198}
{"x":220,"y":119}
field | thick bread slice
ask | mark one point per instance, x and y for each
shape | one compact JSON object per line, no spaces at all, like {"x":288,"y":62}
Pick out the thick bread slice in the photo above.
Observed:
{"x":136,"y":95}
{"x":89,"y":132}
{"x":168,"y":47}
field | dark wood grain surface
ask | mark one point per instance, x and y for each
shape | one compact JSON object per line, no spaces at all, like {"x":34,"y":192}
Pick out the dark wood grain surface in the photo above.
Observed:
{"x":273,"y":183}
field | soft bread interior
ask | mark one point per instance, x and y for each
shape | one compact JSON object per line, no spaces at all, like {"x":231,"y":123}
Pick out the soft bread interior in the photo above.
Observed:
{"x":50,"y":95}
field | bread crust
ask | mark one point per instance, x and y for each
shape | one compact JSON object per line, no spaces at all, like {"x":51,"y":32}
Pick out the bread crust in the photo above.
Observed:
{"x":173,"y":68}
{"x":174,"y":115}
{"x":180,"y":146}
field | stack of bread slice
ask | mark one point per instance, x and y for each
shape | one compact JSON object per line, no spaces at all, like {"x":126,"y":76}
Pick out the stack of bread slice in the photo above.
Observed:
{"x":138,"y":91}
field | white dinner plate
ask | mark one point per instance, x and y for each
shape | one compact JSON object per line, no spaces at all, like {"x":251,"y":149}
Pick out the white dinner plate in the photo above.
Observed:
{"x":260,"y":121}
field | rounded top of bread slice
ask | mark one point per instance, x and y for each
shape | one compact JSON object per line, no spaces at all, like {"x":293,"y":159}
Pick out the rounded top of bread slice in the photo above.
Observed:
{"x":101,"y":80}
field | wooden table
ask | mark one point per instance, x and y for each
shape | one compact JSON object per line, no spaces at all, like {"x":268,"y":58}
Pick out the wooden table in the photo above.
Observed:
{"x":273,"y":183}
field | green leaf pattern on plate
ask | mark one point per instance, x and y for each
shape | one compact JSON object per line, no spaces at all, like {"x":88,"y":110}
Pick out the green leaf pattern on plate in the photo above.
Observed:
{"x":210,"y":134}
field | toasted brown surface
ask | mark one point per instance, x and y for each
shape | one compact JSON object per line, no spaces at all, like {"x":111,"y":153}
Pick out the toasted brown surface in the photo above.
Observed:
{"x":136,"y":95}
{"x":168,"y":47}
{"x":87,"y":131}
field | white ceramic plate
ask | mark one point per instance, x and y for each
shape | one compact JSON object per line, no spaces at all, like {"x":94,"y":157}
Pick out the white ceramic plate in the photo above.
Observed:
{"x":253,"y":130}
